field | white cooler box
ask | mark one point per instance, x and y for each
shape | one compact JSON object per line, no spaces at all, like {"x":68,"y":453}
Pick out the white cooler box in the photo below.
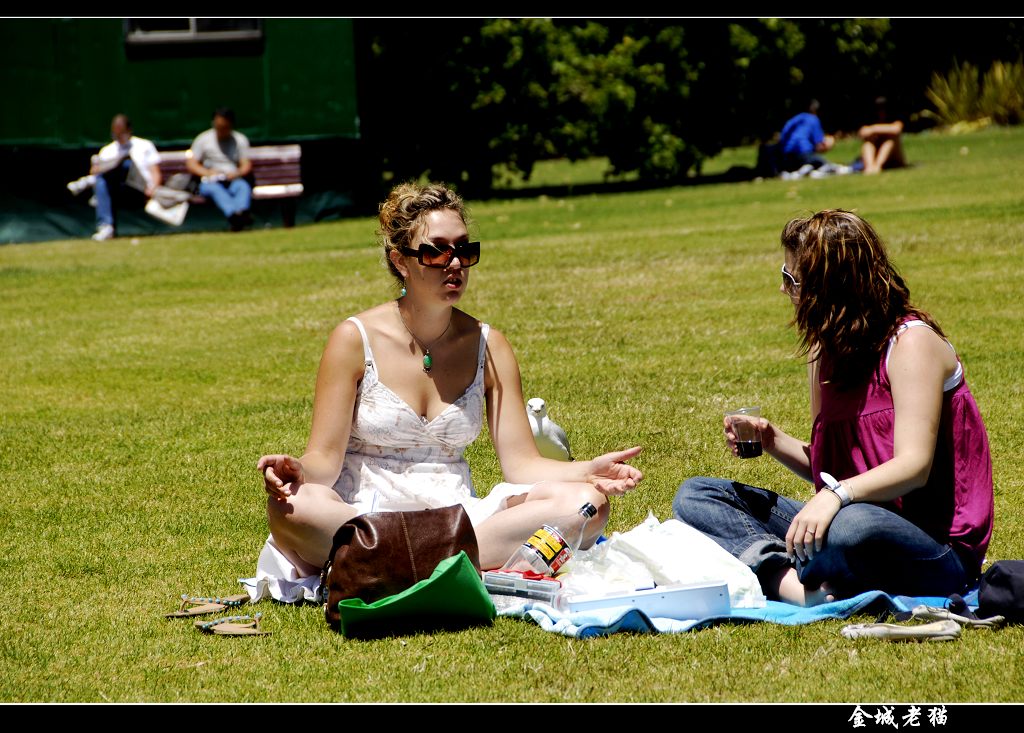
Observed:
{"x":680,"y":602}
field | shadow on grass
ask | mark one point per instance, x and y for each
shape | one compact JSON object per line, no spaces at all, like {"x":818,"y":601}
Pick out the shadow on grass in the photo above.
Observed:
{"x":735,"y":174}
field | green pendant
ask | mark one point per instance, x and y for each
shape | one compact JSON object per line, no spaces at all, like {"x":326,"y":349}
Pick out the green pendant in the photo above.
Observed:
{"x":427,"y":362}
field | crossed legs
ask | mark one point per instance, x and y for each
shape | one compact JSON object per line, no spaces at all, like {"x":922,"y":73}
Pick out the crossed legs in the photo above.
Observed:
{"x":867,"y":546}
{"x":304,"y":524}
{"x":502,"y":533}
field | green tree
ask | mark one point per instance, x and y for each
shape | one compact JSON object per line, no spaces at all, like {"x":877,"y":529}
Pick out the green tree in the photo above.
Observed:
{"x":454,"y":99}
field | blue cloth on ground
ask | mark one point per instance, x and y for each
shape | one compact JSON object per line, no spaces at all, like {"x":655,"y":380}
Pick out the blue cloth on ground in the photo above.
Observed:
{"x":587,"y":624}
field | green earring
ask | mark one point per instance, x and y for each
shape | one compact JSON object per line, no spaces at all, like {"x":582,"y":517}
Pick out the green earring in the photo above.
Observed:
{"x":402,"y":292}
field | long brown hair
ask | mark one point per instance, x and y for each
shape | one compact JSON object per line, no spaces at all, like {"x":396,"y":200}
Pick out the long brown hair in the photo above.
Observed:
{"x":851,"y":300}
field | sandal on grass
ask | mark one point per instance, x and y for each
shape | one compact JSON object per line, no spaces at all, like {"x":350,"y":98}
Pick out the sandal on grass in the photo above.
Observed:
{"x":198,"y":606}
{"x":233,"y":626}
{"x":937,"y":631}
{"x":936,"y":613}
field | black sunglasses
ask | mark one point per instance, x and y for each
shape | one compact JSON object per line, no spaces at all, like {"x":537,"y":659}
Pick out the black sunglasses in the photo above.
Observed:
{"x":441,"y":255}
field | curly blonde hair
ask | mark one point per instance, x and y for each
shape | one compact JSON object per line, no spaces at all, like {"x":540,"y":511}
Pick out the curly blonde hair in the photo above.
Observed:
{"x":403,"y":209}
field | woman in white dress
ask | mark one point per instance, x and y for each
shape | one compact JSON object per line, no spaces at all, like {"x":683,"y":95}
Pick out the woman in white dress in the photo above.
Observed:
{"x":400,"y":393}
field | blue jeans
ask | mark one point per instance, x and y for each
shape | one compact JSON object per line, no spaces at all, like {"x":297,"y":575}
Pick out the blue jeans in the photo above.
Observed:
{"x":867,"y":546}
{"x":109,"y":186}
{"x":230,"y":197}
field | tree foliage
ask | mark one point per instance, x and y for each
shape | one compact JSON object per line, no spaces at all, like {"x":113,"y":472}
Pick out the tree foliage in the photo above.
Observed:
{"x":458,"y":99}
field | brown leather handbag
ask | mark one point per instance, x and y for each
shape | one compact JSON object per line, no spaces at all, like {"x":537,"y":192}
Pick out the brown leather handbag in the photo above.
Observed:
{"x":382,"y":553}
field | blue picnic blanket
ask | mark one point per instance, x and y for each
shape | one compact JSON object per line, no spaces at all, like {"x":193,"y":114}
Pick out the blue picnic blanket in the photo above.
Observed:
{"x":586,"y":624}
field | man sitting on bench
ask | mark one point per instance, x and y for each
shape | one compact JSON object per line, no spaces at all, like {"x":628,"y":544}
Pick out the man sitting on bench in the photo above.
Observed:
{"x":220,"y":157}
{"x":126,"y":169}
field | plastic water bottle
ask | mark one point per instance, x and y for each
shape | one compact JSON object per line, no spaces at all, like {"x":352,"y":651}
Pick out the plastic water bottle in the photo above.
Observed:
{"x":551,"y":546}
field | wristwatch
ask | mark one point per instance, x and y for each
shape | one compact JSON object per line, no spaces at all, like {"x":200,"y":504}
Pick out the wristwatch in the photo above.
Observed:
{"x":836,"y":488}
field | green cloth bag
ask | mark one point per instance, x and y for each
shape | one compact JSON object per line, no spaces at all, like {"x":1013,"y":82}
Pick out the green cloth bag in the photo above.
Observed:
{"x":453,"y":597}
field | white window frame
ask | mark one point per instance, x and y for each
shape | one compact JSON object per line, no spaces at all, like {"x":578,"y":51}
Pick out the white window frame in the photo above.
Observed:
{"x":192,"y":35}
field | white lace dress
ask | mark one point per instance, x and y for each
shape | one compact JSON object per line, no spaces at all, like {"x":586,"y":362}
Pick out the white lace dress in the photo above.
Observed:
{"x":396,"y":460}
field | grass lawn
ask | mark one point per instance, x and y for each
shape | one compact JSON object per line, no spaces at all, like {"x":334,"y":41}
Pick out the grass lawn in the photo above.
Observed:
{"x":142,"y":379}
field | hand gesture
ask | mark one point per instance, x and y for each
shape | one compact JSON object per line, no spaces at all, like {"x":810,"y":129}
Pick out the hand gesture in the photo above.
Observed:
{"x":279,"y":470}
{"x":806,"y":535}
{"x":611,"y":475}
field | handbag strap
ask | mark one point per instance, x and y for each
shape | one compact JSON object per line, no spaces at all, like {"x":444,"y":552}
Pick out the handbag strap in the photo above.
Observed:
{"x":408,"y":548}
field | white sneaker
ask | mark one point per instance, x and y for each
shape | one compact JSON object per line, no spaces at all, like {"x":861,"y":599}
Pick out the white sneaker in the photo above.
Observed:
{"x":104,"y":233}
{"x":77,"y":187}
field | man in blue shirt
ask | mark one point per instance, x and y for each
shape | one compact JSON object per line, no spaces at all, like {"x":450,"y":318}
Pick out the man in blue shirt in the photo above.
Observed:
{"x":802,"y":138}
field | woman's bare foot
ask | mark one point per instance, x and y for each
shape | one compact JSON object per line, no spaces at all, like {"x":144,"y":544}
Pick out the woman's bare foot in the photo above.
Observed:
{"x":786,"y":587}
{"x":823,"y":594}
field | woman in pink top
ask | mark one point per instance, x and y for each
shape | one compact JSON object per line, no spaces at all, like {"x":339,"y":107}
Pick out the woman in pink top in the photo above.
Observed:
{"x":893,"y":421}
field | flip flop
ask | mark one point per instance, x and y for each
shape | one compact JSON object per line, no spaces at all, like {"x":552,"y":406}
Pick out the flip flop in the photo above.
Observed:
{"x":936,"y":613}
{"x":233,"y":626}
{"x":937,"y":631}
{"x":197,"y":606}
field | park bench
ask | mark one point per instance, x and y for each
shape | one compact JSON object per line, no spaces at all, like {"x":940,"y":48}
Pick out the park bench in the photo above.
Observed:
{"x":275,"y":169}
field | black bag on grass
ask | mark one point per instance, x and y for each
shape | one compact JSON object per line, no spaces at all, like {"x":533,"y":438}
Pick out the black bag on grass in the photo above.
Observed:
{"x":1002,"y":591}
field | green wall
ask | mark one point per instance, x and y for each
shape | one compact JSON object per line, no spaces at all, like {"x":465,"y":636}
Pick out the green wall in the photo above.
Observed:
{"x":63,"y":79}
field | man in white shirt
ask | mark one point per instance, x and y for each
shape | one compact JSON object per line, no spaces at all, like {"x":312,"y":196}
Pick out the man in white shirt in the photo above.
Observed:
{"x":220,"y":158}
{"x":128,"y":166}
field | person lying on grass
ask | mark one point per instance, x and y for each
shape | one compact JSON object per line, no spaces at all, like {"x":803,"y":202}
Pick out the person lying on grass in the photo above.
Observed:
{"x":892,"y":419}
{"x":400,"y":394}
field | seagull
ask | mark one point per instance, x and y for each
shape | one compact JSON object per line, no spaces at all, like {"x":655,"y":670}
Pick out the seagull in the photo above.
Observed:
{"x":552,"y":441}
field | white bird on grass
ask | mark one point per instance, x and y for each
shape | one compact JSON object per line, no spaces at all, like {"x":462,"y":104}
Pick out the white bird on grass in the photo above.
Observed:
{"x":552,"y":441}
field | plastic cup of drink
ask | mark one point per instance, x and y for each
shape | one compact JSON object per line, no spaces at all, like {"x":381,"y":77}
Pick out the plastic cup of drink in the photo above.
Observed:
{"x":748,"y":438}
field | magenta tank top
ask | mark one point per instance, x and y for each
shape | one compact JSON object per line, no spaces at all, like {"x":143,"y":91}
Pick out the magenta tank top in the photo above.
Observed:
{"x":854,"y":433}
